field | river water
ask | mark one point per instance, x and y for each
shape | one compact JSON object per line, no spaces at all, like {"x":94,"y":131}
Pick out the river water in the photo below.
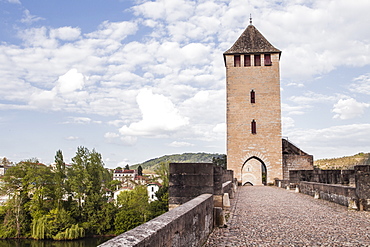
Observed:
{"x":85,"y":242}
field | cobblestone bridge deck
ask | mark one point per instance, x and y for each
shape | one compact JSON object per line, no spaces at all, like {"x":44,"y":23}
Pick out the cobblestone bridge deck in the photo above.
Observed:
{"x":271,"y":216}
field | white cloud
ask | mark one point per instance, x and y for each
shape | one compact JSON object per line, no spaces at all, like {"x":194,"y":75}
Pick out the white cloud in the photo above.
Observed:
{"x":220,"y":128}
{"x":66,"y":33}
{"x":71,"y":81}
{"x":361,"y":84}
{"x":349,"y":108}
{"x":111,"y":135}
{"x":81,"y":120}
{"x":287,"y":123}
{"x":114,"y":30}
{"x":27,"y":17}
{"x":334,"y":141}
{"x":311,"y":98}
{"x":177,"y":144}
{"x":159,"y":116}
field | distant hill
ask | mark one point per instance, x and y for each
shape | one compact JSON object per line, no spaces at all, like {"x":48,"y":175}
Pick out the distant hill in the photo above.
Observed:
{"x":347,"y":162}
{"x":181,"y":158}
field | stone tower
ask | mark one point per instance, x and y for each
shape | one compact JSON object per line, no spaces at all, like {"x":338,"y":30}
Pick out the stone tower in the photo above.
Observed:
{"x":254,"y":142}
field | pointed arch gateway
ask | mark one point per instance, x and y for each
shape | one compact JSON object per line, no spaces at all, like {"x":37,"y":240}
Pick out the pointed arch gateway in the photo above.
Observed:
{"x":254,"y":172}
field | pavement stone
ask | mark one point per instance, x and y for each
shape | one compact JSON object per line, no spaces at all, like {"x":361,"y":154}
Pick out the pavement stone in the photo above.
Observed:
{"x":271,"y":216}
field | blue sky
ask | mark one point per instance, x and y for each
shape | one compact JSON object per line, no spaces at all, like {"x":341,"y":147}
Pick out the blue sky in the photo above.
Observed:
{"x":140,"y":79}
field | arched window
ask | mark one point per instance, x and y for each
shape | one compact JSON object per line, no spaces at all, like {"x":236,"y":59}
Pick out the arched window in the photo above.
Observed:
{"x":253,"y":97}
{"x":253,"y":127}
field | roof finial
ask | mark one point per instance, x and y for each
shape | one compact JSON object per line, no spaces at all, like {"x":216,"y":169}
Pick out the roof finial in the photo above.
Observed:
{"x":250,"y":19}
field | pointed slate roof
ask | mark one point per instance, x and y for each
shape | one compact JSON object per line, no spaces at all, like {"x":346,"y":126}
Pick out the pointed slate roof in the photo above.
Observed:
{"x":251,"y":41}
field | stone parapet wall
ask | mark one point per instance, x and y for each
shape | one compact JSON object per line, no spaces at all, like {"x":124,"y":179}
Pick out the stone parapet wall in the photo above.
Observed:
{"x":344,"y":177}
{"x":189,"y":180}
{"x":363,"y":186}
{"x":339,"y":194}
{"x":187,"y":225}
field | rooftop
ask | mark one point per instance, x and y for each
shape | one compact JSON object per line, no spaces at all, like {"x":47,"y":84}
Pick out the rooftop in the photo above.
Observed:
{"x":251,"y":41}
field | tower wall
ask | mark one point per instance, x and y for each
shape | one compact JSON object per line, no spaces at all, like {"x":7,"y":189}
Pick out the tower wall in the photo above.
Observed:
{"x":242,"y":144}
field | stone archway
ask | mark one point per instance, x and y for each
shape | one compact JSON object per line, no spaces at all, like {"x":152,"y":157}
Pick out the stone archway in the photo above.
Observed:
{"x":254,"y":172}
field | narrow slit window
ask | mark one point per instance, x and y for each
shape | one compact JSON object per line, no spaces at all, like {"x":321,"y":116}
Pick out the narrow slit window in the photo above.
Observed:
{"x":257,"y":60}
{"x":253,"y":97}
{"x":254,"y":127}
{"x":268,"y":60}
{"x":237,"y":61}
{"x":247,"y":60}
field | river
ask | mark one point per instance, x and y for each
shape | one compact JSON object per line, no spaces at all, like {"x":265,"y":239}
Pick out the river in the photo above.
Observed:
{"x":85,"y":242}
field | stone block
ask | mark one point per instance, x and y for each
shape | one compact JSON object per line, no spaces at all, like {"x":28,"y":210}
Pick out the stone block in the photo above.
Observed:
{"x":226,"y":200}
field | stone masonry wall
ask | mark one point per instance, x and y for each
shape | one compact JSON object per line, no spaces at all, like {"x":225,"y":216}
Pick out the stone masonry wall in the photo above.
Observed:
{"x":266,"y":111}
{"x":339,"y":194}
{"x":363,"y":186}
{"x":187,"y":225}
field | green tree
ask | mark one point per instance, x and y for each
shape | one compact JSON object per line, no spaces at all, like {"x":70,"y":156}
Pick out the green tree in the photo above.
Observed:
{"x":162,"y":171}
{"x":60,"y":178}
{"x":139,"y":171}
{"x":133,"y":209}
{"x":30,"y":188}
{"x":127,"y":167}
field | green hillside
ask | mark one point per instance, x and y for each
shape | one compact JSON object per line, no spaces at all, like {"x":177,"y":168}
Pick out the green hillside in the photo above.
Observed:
{"x":181,"y":158}
{"x":347,"y":162}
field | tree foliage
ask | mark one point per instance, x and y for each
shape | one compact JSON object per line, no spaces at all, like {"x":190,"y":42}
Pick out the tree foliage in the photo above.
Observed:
{"x":64,"y":202}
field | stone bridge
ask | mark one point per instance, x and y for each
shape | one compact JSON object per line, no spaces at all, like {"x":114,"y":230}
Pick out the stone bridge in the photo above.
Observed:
{"x":258,"y":215}
{"x":271,"y":216}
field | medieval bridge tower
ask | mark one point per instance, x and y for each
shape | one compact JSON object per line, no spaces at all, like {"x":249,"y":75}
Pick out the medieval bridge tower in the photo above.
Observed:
{"x":254,"y":142}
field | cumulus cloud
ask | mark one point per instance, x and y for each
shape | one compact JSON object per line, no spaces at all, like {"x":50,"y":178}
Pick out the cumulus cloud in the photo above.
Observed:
{"x":114,"y":30}
{"x":65,"y":33}
{"x":349,"y":108}
{"x":159,"y":116}
{"x":71,"y":81}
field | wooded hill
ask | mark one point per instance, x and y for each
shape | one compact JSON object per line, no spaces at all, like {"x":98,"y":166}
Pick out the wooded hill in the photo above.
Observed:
{"x":181,"y":158}
{"x":347,"y":162}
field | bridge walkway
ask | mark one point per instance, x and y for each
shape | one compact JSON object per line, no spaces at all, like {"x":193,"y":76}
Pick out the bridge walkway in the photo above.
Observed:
{"x":271,"y":216}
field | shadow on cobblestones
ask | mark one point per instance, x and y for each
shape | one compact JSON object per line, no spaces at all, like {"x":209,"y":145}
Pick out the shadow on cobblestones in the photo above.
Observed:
{"x":271,"y":216}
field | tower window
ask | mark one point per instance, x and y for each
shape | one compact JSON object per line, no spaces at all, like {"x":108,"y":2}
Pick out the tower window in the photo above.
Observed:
{"x":257,"y":60}
{"x":237,"y":61}
{"x":247,"y":60}
{"x":253,"y":127}
{"x":268,"y":60}
{"x":253,"y":97}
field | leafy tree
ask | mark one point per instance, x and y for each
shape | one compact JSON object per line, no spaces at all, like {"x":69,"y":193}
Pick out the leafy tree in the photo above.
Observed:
{"x":163,"y":172}
{"x":30,"y":187}
{"x":60,"y":178}
{"x":127,"y":167}
{"x":220,"y":161}
{"x":133,"y":209}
